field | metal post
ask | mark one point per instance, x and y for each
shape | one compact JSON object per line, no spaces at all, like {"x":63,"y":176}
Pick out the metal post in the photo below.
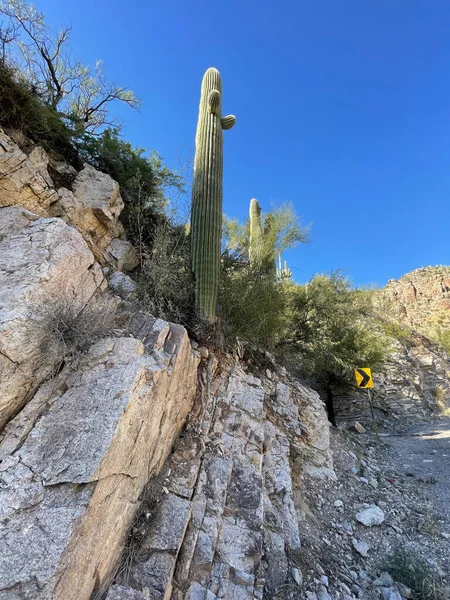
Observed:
{"x":370,"y":404}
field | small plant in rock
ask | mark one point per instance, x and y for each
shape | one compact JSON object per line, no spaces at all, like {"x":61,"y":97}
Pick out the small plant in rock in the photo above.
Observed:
{"x":414,"y":572}
{"x":67,"y":326}
{"x":441,"y":402}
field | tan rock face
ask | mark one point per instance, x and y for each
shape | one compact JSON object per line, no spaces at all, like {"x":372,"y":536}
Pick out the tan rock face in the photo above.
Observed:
{"x":40,"y":259}
{"x":93,"y":206}
{"x":24,"y":180}
{"x":93,"y":438}
{"x":420,"y":299}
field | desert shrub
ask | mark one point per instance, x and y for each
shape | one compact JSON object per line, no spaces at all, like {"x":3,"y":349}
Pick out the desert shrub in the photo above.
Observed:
{"x":144,"y":182}
{"x":252,"y":305}
{"x":67,"y":327}
{"x":414,"y":572}
{"x":443,"y":337}
{"x":331,"y":332}
{"x":441,"y":402}
{"x":165,"y":284}
{"x":22,"y":109}
{"x":396,"y":331}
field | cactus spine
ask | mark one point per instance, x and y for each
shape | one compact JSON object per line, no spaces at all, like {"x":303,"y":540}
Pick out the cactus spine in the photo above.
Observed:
{"x":256,"y":235}
{"x":206,"y":213}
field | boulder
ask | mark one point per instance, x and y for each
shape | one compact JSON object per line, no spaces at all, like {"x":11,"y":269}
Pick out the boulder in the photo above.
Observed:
{"x":24,"y":181}
{"x":123,"y":254}
{"x":93,"y":207}
{"x":122,"y":284}
{"x":78,"y":460}
{"x":40,"y":259}
{"x":372,"y":515}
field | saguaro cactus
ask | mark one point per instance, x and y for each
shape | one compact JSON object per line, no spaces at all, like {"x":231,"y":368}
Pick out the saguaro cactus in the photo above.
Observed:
{"x":206,"y":213}
{"x":283,"y":272}
{"x":268,"y":264}
{"x":256,"y":235}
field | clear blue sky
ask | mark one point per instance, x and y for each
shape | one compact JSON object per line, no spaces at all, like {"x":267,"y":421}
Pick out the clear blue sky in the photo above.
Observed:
{"x":342,"y":106}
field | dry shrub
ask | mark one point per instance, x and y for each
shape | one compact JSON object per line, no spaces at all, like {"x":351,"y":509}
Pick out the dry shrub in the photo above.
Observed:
{"x":165,"y":285}
{"x":67,"y":327}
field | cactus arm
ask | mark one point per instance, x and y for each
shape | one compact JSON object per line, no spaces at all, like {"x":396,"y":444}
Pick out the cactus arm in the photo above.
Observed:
{"x":228,"y":122}
{"x":214,"y":100}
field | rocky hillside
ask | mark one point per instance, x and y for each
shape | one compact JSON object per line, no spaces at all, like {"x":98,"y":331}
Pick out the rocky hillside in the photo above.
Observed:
{"x":416,"y":380}
{"x":420,"y":299}
{"x":92,"y":493}
{"x":135,"y":465}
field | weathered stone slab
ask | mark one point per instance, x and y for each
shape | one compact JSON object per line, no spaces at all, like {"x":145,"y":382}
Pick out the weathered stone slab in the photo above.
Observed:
{"x":70,"y":492}
{"x":41,"y":260}
{"x":24,"y":180}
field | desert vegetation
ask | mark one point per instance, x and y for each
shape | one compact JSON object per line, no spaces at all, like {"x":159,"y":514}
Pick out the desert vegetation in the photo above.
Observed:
{"x":226,"y":281}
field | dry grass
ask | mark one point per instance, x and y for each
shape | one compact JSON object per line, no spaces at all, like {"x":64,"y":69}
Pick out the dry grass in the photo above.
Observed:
{"x":66,"y":327}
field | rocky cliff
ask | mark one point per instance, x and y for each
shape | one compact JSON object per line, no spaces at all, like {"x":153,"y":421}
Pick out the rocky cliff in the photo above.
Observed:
{"x":90,"y":478}
{"x":420,"y":299}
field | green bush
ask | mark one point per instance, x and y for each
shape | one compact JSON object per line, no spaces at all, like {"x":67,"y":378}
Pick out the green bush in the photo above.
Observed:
{"x":443,"y":337}
{"x":143,"y":182}
{"x":252,"y":306}
{"x":414,"y":572}
{"x":21,"y":109}
{"x":396,"y":331}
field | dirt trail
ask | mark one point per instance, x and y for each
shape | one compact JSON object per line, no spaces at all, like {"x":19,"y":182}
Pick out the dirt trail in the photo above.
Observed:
{"x":404,"y":473}
{"x":423,"y":452}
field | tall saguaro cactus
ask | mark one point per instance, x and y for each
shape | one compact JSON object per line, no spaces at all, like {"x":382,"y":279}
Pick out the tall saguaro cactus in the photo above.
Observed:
{"x":256,"y":235}
{"x":206,"y":213}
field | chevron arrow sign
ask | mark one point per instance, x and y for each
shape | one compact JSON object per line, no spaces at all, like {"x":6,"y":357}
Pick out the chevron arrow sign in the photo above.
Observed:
{"x":364,"y":378}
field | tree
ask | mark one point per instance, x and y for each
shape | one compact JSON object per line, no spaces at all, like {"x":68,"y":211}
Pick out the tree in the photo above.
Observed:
{"x":282,"y":228}
{"x":83,"y":95}
{"x":333,"y":332}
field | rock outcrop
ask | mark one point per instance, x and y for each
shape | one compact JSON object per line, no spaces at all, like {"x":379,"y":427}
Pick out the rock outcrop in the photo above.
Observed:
{"x":22,"y":181}
{"x":416,"y":376}
{"x":221,"y":521}
{"x":420,"y":299}
{"x":87,"y":455}
{"x":75,"y":461}
{"x":41,"y":259}
{"x":93,"y":204}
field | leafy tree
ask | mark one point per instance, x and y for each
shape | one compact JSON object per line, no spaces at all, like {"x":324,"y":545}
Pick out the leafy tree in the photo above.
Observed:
{"x":81,"y":94}
{"x":253,"y":303}
{"x":283,"y":225}
{"x":331,"y":333}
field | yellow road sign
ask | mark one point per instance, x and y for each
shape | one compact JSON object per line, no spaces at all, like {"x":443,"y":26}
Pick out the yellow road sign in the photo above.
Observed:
{"x":364,"y":378}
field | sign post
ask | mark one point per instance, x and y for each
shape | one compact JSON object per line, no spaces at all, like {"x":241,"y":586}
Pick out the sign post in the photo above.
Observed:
{"x":364,"y":380}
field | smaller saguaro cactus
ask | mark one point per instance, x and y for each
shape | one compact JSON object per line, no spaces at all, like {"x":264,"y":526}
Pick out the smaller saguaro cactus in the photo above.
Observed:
{"x":256,"y":235}
{"x":206,"y":213}
{"x":268,"y":262}
{"x":283,"y":272}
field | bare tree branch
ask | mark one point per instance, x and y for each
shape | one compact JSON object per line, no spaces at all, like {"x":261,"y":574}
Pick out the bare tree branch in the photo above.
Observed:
{"x":80,"y":93}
